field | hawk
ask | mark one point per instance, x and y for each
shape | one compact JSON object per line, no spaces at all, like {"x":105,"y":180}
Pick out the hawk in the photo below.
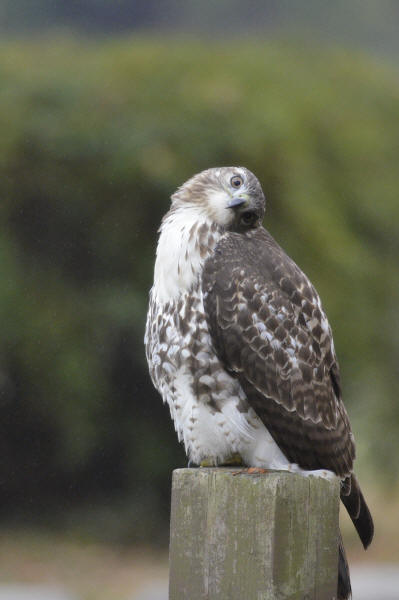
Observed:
{"x":240,"y":348}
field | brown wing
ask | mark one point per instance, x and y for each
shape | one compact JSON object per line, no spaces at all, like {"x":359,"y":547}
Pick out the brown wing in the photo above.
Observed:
{"x":269,"y":330}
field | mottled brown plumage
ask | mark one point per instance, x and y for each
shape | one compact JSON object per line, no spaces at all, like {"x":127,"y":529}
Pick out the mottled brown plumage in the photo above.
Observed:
{"x":290,"y":373}
{"x":291,"y":381}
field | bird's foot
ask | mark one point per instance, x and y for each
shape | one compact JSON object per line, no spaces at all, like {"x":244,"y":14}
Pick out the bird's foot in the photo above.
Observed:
{"x":207,"y":462}
{"x":191,"y":464}
{"x":233,"y":460}
{"x":251,"y":471}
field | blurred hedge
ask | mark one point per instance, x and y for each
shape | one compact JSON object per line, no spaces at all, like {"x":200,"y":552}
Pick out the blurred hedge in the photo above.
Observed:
{"x":94,"y":139}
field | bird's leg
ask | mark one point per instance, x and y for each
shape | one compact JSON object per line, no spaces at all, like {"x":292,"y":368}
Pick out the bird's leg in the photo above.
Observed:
{"x":191,"y":464}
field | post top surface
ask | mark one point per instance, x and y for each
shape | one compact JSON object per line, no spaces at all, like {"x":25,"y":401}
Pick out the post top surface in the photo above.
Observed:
{"x":240,"y":473}
{"x":245,"y":471}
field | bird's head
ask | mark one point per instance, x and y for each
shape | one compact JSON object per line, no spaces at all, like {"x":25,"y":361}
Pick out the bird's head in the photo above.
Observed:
{"x":231,"y":197}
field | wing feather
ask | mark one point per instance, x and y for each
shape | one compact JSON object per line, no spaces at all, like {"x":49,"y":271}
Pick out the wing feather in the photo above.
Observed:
{"x":269,"y":329}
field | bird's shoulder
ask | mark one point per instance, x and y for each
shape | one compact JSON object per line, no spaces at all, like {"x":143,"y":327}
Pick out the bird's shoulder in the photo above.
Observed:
{"x":255,"y":266}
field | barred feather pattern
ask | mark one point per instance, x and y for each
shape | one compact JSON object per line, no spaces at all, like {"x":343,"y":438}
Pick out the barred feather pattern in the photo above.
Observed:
{"x":208,"y":407}
{"x":269,"y":329}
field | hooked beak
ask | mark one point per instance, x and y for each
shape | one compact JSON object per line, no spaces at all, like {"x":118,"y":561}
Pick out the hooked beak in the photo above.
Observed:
{"x":238,"y":201}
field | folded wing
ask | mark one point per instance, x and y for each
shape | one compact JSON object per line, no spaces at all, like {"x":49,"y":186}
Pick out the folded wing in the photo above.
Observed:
{"x":269,"y":330}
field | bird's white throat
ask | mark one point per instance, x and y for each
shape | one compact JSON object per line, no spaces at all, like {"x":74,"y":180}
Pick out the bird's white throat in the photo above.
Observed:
{"x":186,"y":238}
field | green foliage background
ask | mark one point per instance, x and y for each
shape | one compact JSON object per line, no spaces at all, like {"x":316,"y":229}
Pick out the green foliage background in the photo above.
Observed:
{"x":94,"y":139}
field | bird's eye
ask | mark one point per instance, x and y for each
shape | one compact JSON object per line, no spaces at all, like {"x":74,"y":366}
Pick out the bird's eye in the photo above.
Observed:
{"x":248,"y":217}
{"x":236,"y":181}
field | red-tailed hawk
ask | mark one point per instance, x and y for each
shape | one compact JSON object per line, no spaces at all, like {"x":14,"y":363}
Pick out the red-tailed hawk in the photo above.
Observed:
{"x":239,"y":346}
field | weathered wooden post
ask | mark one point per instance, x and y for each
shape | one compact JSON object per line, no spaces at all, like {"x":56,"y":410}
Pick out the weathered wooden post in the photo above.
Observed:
{"x":271,"y":536}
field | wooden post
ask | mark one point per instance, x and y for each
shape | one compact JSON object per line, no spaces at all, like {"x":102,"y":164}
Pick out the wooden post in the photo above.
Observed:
{"x":271,"y":536}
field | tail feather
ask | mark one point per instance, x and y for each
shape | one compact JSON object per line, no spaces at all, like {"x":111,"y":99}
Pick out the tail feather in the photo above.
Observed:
{"x":355,"y":504}
{"x":344,"y":590}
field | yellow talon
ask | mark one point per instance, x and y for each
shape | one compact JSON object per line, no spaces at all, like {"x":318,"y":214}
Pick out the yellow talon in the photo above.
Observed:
{"x":233,"y":460}
{"x":208,"y":462}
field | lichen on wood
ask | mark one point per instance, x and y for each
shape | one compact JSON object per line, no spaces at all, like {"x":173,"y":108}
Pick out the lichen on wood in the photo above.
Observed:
{"x":269,"y":536}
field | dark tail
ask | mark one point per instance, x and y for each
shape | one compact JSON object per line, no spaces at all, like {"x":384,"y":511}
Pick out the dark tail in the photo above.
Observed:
{"x":344,"y":583}
{"x":355,"y":504}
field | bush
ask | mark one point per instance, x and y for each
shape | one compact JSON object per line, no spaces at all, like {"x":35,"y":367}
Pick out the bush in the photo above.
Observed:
{"x":95,"y":138}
